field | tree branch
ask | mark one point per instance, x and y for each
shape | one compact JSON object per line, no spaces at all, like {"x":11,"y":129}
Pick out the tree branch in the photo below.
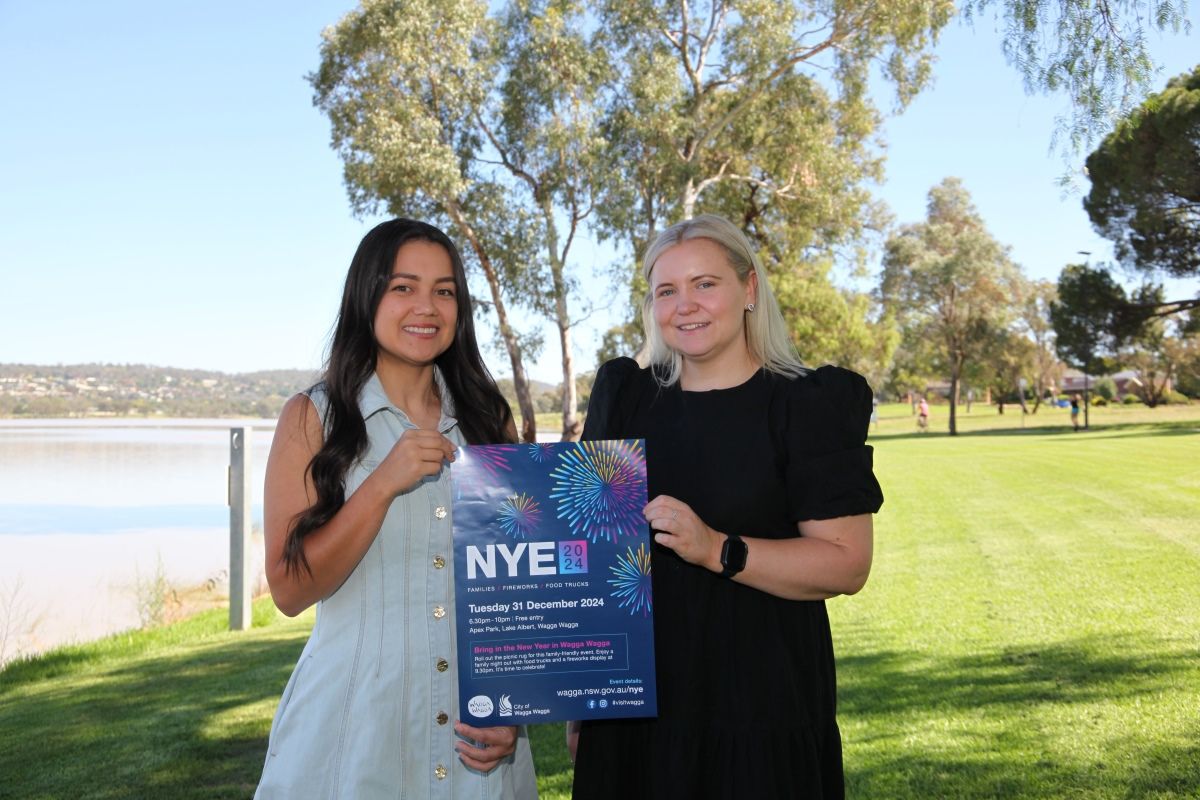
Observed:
{"x":507,"y":163}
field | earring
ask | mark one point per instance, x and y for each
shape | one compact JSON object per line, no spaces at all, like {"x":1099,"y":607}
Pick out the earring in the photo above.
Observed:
{"x":750,"y":307}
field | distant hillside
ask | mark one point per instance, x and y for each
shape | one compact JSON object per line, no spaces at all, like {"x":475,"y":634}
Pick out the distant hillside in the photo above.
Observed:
{"x":83,"y":390}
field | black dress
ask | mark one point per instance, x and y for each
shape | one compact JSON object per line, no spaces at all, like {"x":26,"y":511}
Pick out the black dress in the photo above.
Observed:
{"x":746,"y":686}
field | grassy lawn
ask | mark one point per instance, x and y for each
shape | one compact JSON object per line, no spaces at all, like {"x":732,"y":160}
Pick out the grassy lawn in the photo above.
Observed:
{"x":1031,"y":629}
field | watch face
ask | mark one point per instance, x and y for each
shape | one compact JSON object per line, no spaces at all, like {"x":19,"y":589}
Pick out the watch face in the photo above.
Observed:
{"x":733,"y":555}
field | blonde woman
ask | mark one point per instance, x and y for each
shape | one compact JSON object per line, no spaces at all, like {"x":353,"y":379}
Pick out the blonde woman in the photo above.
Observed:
{"x":762,"y":494}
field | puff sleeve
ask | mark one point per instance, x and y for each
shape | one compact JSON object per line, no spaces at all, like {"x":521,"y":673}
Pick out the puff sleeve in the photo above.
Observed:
{"x":603,"y":411}
{"x":829,"y":472}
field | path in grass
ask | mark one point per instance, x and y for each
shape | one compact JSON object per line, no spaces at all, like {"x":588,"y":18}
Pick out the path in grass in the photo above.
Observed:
{"x":1032,"y":624}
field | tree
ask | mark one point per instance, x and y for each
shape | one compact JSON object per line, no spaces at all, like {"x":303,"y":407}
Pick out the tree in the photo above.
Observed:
{"x":1033,"y":318}
{"x":1004,"y":366}
{"x":1156,"y":353}
{"x":545,"y":131}
{"x":1188,"y":379}
{"x":758,"y":111}
{"x":1145,"y":193}
{"x":1094,"y":51}
{"x":1088,"y":327}
{"x":949,"y":283}
{"x":402,"y":82}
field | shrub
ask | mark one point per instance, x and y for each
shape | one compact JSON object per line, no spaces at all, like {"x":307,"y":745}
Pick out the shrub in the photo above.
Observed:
{"x":1099,"y":400}
{"x":1176,"y":399}
{"x":1131,"y":399}
{"x":1105,"y":387}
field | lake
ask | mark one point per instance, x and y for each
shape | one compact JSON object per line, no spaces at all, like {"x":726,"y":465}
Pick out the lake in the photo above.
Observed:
{"x":90,"y":508}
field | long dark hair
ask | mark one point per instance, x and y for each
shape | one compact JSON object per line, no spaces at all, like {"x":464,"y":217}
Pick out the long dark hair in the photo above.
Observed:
{"x":483,"y":414}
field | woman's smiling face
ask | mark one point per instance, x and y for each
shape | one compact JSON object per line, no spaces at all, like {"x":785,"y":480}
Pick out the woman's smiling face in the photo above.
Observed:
{"x":699,"y":304}
{"x":416,"y":319}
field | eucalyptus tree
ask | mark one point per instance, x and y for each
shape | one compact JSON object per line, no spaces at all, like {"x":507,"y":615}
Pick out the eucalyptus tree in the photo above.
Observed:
{"x":402,"y":82}
{"x":1033,"y":319}
{"x":1004,"y":366}
{"x":544,"y":132}
{"x":949,"y":283}
{"x":758,"y":110}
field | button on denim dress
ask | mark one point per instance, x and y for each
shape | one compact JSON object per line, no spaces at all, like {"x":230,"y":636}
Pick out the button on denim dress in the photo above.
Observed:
{"x":369,"y":710}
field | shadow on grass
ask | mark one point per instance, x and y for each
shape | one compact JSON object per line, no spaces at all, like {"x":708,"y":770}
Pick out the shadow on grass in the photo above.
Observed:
{"x":191,"y":725}
{"x":1163,"y":772}
{"x":992,"y":701}
{"x":118,"y":719}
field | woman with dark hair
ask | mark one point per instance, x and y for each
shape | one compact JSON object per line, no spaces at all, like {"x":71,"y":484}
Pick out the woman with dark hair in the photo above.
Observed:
{"x":762,"y":494}
{"x":357,"y":521}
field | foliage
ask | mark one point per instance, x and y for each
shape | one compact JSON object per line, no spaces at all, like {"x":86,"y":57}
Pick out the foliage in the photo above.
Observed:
{"x":1145,"y":176}
{"x":1131,"y":399}
{"x":759,"y":111}
{"x":948,"y":283}
{"x":1105,"y":387}
{"x":406,"y":86}
{"x":1087,"y":327}
{"x":1157,"y":354}
{"x":1175,"y":398}
{"x":1094,"y":51}
{"x":543,"y":124}
{"x":1033,"y":321}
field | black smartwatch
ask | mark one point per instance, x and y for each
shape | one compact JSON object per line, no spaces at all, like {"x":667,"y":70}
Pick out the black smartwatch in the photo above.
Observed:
{"x":733,"y":556}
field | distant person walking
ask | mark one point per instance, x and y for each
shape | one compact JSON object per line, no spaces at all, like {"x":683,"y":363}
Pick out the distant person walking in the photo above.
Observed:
{"x":1075,"y":411}
{"x":357,"y":519}
{"x":922,"y":416}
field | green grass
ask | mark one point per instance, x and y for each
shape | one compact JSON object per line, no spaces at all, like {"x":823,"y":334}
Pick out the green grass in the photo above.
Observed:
{"x":1032,"y":623}
{"x":1031,"y":629}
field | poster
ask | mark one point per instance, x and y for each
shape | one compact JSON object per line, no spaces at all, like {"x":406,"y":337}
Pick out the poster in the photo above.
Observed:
{"x":552,"y":582}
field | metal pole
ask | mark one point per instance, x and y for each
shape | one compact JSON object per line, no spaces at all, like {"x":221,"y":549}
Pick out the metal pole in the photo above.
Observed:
{"x":1087,"y":400}
{"x":240,"y":496}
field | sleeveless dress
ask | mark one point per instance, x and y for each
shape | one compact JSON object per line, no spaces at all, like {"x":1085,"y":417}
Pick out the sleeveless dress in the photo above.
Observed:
{"x":369,"y":709}
{"x":746,"y":686}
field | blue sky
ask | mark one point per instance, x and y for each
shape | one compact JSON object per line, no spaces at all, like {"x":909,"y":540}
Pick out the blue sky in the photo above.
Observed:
{"x":168,"y":194}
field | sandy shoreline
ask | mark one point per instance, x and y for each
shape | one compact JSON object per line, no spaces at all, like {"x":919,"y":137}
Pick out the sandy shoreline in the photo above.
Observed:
{"x":66,"y":588}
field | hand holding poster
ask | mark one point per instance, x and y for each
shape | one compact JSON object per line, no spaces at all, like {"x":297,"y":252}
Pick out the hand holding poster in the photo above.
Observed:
{"x":552,"y":582}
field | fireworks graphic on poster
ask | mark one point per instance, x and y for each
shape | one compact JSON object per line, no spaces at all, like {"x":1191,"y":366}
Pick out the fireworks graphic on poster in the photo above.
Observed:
{"x":540,"y":452}
{"x":494,"y":458}
{"x":519,"y":515}
{"x":598,"y":489}
{"x":631,"y":584}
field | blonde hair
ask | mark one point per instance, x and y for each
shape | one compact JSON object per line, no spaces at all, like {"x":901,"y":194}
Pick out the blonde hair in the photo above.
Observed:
{"x":766,"y":331}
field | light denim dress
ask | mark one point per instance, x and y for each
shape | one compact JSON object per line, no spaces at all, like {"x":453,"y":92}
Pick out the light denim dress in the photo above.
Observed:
{"x":369,"y":710}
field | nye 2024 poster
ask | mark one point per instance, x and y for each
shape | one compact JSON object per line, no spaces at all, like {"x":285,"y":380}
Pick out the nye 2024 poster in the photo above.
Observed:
{"x":552,"y":582}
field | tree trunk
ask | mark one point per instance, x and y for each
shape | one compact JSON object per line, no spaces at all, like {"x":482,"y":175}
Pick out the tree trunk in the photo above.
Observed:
{"x":511,"y":343}
{"x":687,"y":201}
{"x":954,"y":374}
{"x":571,"y":428}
